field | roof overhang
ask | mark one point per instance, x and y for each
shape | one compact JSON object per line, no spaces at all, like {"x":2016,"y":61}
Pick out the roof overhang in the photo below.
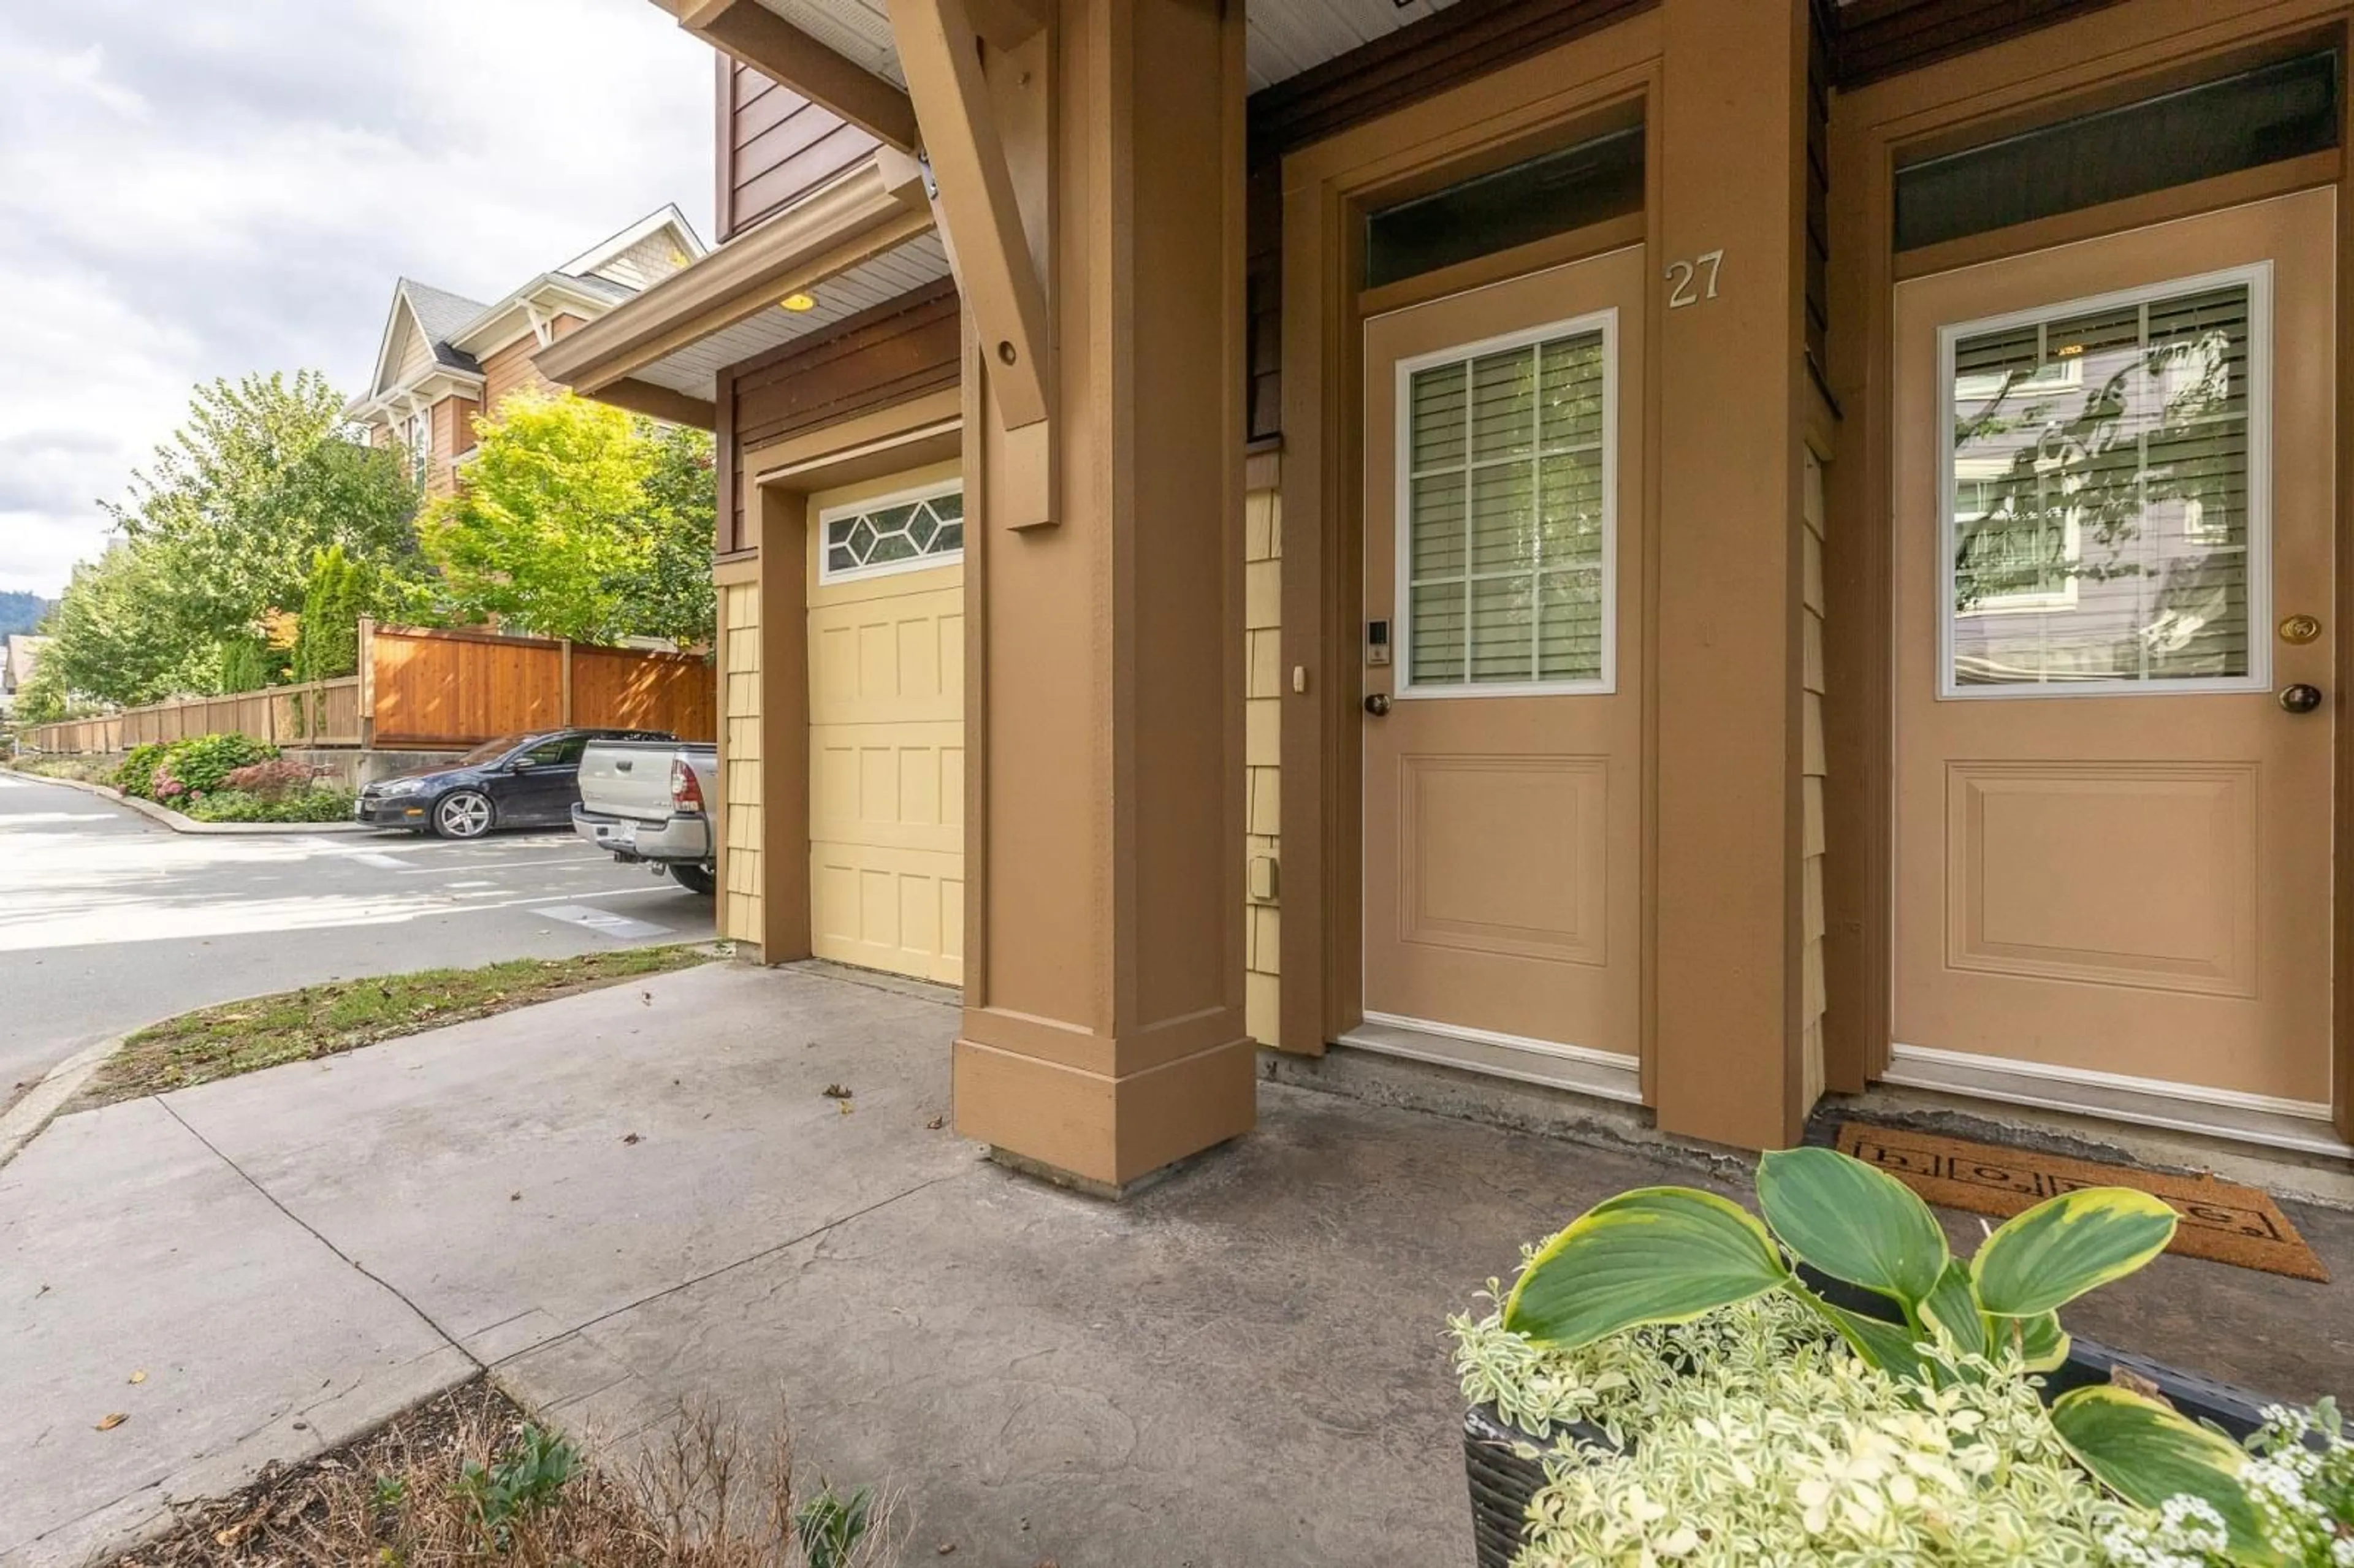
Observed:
{"x":868,"y":229}
{"x":515,"y":316}
{"x":437,"y":381}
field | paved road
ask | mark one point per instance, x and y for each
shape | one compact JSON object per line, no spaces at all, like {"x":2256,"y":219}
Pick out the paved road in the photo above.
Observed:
{"x":109,"y":921}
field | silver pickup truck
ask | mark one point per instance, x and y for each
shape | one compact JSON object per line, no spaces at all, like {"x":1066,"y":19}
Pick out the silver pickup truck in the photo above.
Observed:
{"x":645,"y":802}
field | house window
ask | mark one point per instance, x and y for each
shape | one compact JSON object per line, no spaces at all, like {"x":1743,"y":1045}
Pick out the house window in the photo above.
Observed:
{"x":416,"y":435}
{"x":1553,"y":193}
{"x":2105,"y":508}
{"x":1507,"y":483}
{"x":2261,"y":115}
{"x":901,"y":533}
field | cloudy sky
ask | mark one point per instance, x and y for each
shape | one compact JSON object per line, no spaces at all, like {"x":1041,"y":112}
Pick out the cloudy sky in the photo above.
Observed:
{"x":196,"y":190}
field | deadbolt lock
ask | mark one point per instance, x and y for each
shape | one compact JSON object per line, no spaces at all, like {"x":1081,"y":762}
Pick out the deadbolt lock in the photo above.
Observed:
{"x":2300,"y":628}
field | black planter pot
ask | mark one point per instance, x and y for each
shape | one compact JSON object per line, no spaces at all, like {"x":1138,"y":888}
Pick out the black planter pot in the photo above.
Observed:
{"x":1503,"y":1483}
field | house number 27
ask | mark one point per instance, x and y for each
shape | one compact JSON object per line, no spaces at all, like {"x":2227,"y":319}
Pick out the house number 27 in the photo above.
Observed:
{"x":1684,"y":275}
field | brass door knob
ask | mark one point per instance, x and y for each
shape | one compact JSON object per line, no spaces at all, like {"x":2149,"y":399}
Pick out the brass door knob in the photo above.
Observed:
{"x":2300,"y":698}
{"x":1378,"y":703}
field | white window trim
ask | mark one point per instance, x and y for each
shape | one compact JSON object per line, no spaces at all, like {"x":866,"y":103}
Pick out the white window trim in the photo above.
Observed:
{"x":831,"y":514}
{"x":1402,"y":637}
{"x":2258,"y":279}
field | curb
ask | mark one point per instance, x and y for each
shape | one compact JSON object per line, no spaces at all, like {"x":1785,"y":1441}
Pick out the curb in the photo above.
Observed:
{"x":180,"y":824}
{"x":39,"y":1105}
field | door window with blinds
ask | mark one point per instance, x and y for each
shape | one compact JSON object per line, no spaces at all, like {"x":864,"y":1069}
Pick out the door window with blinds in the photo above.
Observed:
{"x":2104,"y":513}
{"x":1506,"y":496}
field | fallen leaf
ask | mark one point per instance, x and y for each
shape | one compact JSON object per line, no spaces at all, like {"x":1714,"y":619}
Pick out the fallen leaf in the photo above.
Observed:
{"x":109,"y":1423}
{"x":515,"y":1197}
{"x":945,"y":1547}
{"x":847,"y":1108}
{"x":835,"y":1091}
{"x":647,"y":997}
{"x":630,"y":1137}
{"x":140,"y":1376}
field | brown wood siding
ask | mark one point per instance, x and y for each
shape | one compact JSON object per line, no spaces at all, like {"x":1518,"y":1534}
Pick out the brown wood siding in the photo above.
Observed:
{"x":453,"y":433}
{"x":1263,"y":294}
{"x":510,"y":370}
{"x":1884,"y":38}
{"x":898,"y":350}
{"x":1820,"y":23}
{"x":1467,"y":39}
{"x":774,"y":145}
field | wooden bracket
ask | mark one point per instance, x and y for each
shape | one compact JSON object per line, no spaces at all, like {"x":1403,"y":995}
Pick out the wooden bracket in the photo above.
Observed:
{"x":775,"y":48}
{"x":940,"y":52}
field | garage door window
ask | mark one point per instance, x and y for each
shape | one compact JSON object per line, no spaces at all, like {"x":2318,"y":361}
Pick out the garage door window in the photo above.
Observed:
{"x":907,"y":532}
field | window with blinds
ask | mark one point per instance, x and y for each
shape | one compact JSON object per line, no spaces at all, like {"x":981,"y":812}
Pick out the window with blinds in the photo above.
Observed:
{"x":898,"y":534}
{"x":2104,"y":526}
{"x":1505,"y":547}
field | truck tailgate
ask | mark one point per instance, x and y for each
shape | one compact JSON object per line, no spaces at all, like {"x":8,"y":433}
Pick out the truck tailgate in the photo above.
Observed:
{"x":628,"y":779}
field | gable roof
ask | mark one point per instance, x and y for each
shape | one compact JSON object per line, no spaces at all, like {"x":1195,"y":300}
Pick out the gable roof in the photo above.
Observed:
{"x":24,"y":652}
{"x":461,"y":330}
{"x":443,"y":315}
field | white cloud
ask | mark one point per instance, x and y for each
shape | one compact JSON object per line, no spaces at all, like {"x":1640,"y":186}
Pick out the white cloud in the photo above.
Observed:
{"x":196,"y":191}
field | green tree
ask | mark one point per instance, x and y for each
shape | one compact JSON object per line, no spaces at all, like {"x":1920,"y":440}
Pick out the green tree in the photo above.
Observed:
{"x":236,"y":507}
{"x":577,"y":520}
{"x":111,"y":643}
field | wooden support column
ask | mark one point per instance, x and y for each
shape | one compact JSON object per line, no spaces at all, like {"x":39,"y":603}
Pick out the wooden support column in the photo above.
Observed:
{"x":1103,"y":1036}
{"x":1730,"y":187}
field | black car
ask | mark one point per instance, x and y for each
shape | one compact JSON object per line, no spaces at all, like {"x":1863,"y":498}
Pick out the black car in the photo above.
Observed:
{"x":516,"y":781}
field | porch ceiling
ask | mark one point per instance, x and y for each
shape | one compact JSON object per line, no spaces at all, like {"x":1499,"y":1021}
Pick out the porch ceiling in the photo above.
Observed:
{"x":693,"y":369}
{"x":1287,"y":36}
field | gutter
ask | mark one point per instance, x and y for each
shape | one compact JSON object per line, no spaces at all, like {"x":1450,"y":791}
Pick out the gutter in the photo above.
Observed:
{"x":874,"y":206}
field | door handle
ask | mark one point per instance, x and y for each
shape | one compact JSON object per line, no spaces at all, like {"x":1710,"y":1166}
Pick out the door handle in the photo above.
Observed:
{"x":2300,"y":698}
{"x":1378,"y":703}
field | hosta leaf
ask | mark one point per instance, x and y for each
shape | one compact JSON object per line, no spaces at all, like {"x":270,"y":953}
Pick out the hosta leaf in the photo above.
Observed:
{"x":1656,"y":1254}
{"x":2045,"y":1258}
{"x":1952,"y":1306}
{"x":2041,"y":1342}
{"x":2146,"y":1454}
{"x":1852,"y":1222}
{"x":1890,"y":1347}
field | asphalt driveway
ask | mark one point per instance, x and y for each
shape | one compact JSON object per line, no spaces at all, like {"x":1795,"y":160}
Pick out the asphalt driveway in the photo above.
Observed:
{"x":109,"y":920}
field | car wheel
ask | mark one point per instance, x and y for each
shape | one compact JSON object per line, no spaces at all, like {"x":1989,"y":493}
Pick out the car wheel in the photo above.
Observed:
{"x":693,"y":878}
{"x":462,"y":814}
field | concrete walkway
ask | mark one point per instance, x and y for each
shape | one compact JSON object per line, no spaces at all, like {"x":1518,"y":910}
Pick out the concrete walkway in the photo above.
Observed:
{"x":1244,"y":1365}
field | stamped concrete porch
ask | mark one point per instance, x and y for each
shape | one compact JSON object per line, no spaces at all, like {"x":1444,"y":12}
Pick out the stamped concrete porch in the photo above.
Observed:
{"x":1243,"y":1365}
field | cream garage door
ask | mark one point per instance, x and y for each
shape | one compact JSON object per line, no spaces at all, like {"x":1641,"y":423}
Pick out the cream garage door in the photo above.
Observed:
{"x":887,"y":727}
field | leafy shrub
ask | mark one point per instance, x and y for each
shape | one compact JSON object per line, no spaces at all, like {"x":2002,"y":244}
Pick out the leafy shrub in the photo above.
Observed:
{"x":521,"y":1480}
{"x":275,"y":780}
{"x":204,"y":763}
{"x":318,"y":804}
{"x":137,"y":774}
{"x":1746,"y":1419}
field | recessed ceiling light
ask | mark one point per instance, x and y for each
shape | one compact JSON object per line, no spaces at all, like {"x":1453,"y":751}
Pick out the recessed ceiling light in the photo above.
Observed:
{"x":798,"y":302}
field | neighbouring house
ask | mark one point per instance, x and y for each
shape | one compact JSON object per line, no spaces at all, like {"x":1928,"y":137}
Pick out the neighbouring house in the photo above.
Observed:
{"x":445,"y":359}
{"x":18,"y":653}
{"x":1696,"y":554}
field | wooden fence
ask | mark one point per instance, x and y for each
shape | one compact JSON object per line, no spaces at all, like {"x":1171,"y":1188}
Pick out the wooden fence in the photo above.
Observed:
{"x":429,"y":691}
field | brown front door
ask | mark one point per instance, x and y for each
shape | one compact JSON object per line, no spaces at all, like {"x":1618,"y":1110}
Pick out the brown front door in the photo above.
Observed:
{"x":2114,"y":498}
{"x":1503,"y":561}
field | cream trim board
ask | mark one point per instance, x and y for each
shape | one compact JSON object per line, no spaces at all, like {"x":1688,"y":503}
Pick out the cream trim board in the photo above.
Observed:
{"x":2257,"y":279}
{"x":828,"y":574}
{"x":1601,"y":1073}
{"x":1606,"y":322}
{"x":2116,"y":1096}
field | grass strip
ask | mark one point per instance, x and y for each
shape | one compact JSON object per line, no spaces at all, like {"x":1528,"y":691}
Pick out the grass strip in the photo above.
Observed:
{"x":236,"y":1037}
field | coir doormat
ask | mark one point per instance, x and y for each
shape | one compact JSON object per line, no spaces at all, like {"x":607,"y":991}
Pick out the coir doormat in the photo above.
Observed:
{"x":2220,"y":1221}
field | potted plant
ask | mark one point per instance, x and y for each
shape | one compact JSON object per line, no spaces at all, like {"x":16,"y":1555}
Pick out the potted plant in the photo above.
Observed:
{"x":1671,"y":1378}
